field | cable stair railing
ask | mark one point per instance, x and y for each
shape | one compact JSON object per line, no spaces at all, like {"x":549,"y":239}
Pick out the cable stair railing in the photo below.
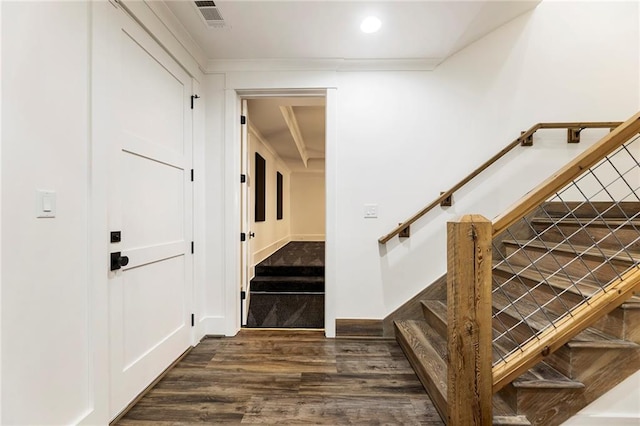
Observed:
{"x":555,"y":263}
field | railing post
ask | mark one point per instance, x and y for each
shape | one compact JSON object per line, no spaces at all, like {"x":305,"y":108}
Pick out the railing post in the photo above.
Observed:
{"x":469,"y":392}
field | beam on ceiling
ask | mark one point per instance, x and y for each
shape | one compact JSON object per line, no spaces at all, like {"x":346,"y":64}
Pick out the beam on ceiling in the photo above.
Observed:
{"x":292,"y":123}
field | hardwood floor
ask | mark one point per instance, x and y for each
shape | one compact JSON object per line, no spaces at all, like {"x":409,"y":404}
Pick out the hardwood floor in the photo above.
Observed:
{"x":291,"y":377}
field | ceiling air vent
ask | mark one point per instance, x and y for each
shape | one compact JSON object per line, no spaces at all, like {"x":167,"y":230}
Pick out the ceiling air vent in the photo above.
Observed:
{"x":210,"y":13}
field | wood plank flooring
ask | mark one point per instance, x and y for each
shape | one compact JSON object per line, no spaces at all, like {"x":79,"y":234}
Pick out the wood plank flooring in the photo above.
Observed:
{"x":288,"y":377}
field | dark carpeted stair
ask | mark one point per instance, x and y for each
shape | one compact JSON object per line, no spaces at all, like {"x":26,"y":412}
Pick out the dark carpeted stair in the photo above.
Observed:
{"x":288,"y":288}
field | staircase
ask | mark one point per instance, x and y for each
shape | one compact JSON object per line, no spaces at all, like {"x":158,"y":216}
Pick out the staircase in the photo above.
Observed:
{"x":288,"y":288}
{"x":536,"y":279}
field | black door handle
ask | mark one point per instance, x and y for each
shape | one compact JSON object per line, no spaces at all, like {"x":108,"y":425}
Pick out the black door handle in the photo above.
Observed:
{"x":118,"y":261}
{"x":251,"y":234}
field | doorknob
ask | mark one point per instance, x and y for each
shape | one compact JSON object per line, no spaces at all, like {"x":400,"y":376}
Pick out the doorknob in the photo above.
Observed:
{"x":252,"y":234}
{"x":118,"y":261}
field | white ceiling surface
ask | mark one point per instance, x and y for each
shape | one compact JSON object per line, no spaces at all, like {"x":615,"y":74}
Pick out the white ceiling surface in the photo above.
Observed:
{"x":420,"y":30}
{"x":265,"y":115}
{"x":299,"y":29}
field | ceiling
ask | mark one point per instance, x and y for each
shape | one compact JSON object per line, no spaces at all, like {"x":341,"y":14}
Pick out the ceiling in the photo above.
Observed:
{"x":419,"y":30}
{"x":267,"y":122}
{"x":329,"y":29}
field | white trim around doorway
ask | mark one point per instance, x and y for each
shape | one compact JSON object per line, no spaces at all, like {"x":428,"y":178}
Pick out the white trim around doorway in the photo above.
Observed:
{"x":232,"y":199}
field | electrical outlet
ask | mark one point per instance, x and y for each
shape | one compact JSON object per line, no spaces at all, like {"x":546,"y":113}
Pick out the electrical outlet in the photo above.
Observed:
{"x":370,"y":211}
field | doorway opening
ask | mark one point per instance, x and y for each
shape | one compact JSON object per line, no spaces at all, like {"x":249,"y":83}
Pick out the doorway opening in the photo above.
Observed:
{"x":283,"y":211}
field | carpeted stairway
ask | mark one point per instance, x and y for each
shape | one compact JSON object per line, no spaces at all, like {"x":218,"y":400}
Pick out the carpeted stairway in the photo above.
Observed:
{"x":288,"y":288}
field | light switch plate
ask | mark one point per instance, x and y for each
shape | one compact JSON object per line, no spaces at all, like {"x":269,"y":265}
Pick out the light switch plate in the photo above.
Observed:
{"x":45,"y":203}
{"x":370,"y":211}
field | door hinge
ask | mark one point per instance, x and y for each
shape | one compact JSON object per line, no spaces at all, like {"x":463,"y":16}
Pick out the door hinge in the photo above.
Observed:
{"x":243,"y":295}
{"x":193,"y":320}
{"x":194,"y":97}
{"x":191,"y":175}
{"x":243,"y":119}
{"x":192,"y":247}
{"x":243,"y":178}
{"x":243,"y":236}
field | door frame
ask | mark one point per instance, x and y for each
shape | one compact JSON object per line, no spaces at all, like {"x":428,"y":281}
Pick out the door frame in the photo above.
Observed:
{"x":233,"y":191}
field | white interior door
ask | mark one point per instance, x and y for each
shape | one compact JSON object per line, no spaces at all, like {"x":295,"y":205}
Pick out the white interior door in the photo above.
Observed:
{"x":150,"y":202}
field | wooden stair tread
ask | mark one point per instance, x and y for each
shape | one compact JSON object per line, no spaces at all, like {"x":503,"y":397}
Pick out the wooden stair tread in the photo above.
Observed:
{"x":543,"y":376}
{"x":586,"y":221}
{"x":591,"y":209}
{"x":424,"y":350}
{"x":538,"y":321}
{"x":573,"y":248}
{"x":585,"y":287}
{"x":428,"y":357}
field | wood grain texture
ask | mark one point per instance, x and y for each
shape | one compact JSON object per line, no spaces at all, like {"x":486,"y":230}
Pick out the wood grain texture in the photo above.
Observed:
{"x":412,"y":309}
{"x":573,"y":169}
{"x":565,"y":329}
{"x":288,"y":377}
{"x":469,"y":321}
{"x":347,"y":327}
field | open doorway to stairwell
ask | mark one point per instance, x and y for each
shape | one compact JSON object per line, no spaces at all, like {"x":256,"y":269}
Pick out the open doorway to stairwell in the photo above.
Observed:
{"x":283,"y":211}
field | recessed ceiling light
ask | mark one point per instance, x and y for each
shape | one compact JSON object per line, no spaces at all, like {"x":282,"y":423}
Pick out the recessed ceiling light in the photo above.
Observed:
{"x":370,"y":24}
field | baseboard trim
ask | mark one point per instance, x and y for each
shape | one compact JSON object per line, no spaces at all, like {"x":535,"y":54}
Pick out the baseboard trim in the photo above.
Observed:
{"x":307,"y":237}
{"x":148,"y":388}
{"x":263,"y":253}
{"x":212,"y":326}
{"x":351,"y":327}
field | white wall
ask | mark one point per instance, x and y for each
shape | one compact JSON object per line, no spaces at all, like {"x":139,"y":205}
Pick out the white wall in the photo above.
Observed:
{"x":213,"y":294}
{"x":404,"y":137}
{"x":307,"y":206}
{"x":271,"y":234}
{"x":45,"y":274}
{"x":620,"y":406}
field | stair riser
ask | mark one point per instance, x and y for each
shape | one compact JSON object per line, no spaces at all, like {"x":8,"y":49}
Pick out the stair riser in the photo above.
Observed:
{"x":598,"y":369}
{"x":435,"y":321}
{"x":632,"y":325}
{"x":301,"y":286}
{"x":576,"y":362}
{"x":624,"y":237}
{"x":542,"y":406}
{"x":552,"y":261}
{"x":267,"y":310}
{"x":290,"y":271}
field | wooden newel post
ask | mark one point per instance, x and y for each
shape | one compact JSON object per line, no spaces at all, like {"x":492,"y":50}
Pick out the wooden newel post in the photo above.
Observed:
{"x":469,"y":391}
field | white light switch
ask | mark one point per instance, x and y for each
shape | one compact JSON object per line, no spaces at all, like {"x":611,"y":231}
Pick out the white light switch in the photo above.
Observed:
{"x":45,"y":203}
{"x":371,"y":211}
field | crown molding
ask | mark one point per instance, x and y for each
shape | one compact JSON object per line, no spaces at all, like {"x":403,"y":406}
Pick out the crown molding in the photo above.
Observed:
{"x":215,"y":66}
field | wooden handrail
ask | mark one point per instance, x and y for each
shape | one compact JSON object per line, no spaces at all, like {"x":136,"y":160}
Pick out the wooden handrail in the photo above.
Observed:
{"x":600,"y":304}
{"x":524,"y":136}
{"x":573,"y":169}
